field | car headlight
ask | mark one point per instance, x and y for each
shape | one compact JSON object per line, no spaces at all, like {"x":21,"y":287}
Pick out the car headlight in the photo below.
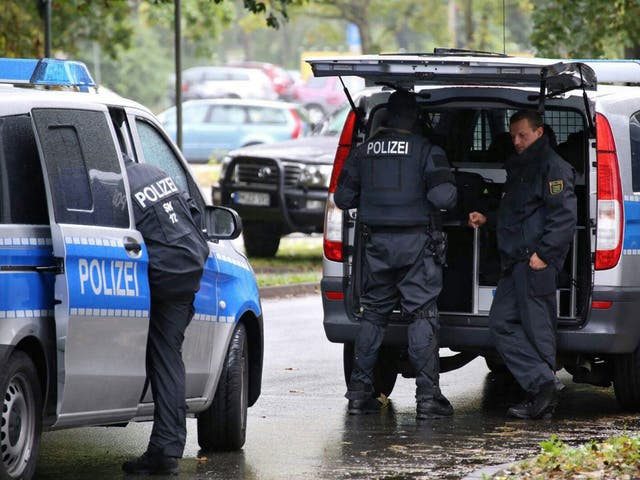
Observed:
{"x":316,"y":175}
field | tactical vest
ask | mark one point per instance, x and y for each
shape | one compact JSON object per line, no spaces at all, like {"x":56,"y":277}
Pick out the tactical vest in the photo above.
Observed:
{"x":393,"y":188}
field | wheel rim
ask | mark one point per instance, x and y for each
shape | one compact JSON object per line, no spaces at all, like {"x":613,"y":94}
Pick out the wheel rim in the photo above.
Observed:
{"x":17,"y":427}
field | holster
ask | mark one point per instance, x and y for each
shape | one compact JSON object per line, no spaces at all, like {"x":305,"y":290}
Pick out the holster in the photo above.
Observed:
{"x":438,"y":247}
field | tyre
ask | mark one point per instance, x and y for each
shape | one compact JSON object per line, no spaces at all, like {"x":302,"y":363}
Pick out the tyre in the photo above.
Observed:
{"x":223,"y":425}
{"x":384,"y":375}
{"x":626,"y":380}
{"x":261,"y":239}
{"x":21,"y":423}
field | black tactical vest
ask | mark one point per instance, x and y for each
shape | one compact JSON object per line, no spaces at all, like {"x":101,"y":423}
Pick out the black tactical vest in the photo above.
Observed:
{"x":392,"y":169}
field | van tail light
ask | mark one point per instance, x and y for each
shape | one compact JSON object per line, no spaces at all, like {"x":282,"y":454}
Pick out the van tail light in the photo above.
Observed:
{"x":333,"y":224}
{"x":297,"y":124}
{"x":610,"y":221}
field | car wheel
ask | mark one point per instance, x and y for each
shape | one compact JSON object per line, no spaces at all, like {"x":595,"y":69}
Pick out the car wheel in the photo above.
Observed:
{"x":261,"y":239}
{"x":21,"y":412}
{"x":626,"y":380}
{"x":223,"y":426}
{"x":384,"y":375}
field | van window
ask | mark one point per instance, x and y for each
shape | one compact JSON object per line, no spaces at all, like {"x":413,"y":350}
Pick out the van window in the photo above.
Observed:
{"x":634,"y":136}
{"x":83,"y":167}
{"x":22,"y":194}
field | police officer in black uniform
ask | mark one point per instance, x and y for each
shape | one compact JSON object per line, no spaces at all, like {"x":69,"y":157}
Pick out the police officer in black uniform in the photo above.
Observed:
{"x":536,"y":221}
{"x":170,"y":225}
{"x":398,"y":180}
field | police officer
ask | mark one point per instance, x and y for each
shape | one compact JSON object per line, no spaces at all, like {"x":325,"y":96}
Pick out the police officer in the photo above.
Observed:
{"x":536,"y":221}
{"x":177,"y":252}
{"x":397,"y":179}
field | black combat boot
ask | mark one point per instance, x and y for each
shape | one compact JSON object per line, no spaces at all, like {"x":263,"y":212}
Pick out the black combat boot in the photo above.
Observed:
{"x":539,"y":405}
{"x":151,"y":464}
{"x":362,"y":399}
{"x":435,"y":407}
{"x":366,"y":406}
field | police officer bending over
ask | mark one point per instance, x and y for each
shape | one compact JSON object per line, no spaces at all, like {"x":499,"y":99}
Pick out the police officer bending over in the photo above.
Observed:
{"x":536,"y":221}
{"x":398,"y":180}
{"x":177,"y":252}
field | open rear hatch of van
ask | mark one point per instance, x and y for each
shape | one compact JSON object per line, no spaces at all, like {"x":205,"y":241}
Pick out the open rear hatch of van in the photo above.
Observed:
{"x":466,"y":103}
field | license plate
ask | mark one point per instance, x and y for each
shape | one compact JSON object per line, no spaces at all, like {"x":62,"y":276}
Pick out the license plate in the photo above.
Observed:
{"x":252,"y":198}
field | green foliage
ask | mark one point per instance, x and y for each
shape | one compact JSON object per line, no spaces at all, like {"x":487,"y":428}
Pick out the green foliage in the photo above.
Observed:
{"x":617,"y":457}
{"x":587,"y":28}
{"x":299,"y":260}
{"x":72,"y":22}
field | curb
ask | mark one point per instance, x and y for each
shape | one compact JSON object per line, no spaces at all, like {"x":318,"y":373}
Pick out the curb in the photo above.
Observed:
{"x":283,"y":291}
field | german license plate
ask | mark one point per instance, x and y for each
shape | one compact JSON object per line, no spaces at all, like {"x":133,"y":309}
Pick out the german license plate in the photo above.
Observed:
{"x":252,"y":198}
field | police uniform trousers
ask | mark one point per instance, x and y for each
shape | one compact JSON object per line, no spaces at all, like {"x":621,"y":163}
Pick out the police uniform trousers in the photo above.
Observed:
{"x":166,"y":373}
{"x":523,"y":321}
{"x":398,"y":266}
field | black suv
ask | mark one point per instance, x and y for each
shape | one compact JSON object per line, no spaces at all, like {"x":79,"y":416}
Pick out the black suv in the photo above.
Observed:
{"x":280,"y":188}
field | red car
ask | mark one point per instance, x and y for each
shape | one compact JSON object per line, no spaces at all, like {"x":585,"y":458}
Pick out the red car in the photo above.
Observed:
{"x":283,"y":83}
{"x":321,"y":96}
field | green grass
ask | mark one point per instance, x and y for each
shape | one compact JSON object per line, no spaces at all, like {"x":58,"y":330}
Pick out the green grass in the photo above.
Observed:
{"x":299,"y":260}
{"x":616,"y":457}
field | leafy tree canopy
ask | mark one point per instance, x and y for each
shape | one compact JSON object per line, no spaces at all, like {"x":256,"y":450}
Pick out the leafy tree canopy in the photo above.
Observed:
{"x":110,"y":24}
{"x":587,"y":28}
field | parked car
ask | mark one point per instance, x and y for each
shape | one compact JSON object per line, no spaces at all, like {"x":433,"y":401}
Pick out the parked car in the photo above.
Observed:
{"x":321,"y":96}
{"x":226,"y":82}
{"x":283,"y":83}
{"x":74,"y":291}
{"x":280,"y":188}
{"x":210,"y":128}
{"x":466,"y":99}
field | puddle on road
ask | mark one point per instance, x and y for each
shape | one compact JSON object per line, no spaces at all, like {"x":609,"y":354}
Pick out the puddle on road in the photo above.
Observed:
{"x":396,"y":446}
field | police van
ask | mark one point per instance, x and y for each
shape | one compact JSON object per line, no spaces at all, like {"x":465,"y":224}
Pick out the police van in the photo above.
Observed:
{"x":592,"y":116}
{"x":74,"y":290}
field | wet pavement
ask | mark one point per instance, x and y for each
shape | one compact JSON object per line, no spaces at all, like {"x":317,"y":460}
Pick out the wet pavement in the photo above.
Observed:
{"x":299,"y":428}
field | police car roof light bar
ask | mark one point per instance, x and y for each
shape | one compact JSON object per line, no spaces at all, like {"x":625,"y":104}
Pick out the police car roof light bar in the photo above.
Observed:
{"x":46,"y":71}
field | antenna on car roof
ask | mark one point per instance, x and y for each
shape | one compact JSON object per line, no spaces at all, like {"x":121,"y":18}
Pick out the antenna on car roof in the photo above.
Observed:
{"x":504,"y":27}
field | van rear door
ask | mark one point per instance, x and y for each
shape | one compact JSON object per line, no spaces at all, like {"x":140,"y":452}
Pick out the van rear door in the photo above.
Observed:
{"x":407,"y":71}
{"x":101,"y":287}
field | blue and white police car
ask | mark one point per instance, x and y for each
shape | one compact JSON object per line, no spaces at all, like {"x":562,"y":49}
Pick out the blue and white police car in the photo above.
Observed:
{"x":74,"y":293}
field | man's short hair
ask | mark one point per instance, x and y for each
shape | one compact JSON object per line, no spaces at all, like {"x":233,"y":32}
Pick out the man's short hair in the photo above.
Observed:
{"x":533,"y":117}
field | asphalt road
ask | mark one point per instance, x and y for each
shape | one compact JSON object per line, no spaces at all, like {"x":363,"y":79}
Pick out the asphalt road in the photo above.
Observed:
{"x":299,"y":428}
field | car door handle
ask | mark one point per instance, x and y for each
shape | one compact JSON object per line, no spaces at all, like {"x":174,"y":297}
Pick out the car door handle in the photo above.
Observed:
{"x":131,"y":245}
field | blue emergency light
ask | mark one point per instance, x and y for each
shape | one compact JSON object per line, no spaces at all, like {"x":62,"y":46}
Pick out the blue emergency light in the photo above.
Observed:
{"x":46,"y":71}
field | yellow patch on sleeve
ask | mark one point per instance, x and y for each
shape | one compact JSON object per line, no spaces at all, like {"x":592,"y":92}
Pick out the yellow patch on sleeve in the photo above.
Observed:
{"x":556,"y":186}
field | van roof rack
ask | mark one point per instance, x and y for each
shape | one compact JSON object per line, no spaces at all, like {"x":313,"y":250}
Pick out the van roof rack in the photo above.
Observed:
{"x":46,"y":72}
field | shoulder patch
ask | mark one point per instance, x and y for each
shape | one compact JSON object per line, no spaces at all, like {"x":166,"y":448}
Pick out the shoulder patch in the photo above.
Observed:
{"x":556,"y":186}
{"x":440,"y":160}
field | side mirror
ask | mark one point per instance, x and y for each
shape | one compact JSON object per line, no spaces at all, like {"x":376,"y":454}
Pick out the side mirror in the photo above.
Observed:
{"x":221,"y":223}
